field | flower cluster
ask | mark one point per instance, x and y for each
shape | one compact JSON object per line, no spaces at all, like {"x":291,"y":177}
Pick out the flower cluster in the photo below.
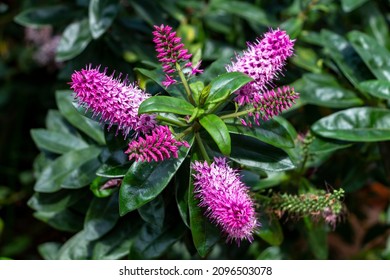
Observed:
{"x":225,"y":198}
{"x":171,"y":53}
{"x":157,"y":146}
{"x":115,"y":101}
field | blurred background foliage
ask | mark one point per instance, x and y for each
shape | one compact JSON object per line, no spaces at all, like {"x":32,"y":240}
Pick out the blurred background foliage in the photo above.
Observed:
{"x":341,"y":69}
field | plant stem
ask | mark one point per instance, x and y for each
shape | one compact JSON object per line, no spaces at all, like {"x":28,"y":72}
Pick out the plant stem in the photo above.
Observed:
{"x":185,"y":84}
{"x":184,"y":133}
{"x":171,"y":121}
{"x":238,"y":114}
{"x":202,"y":147}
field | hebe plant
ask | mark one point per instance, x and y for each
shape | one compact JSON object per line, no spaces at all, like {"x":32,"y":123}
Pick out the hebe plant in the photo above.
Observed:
{"x":173,"y":161}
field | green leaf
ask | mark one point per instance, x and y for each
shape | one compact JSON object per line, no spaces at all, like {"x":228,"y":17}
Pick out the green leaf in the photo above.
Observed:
{"x":36,"y":17}
{"x":78,"y":247}
{"x":270,"y":230}
{"x":166,"y":104}
{"x":56,"y":173}
{"x":56,"y":142}
{"x":317,"y":237}
{"x":116,"y":244}
{"x":377,"y":25}
{"x":82,"y":176}
{"x":350,"y":5}
{"x":182,"y":181}
{"x":146,"y":180}
{"x":158,"y":77}
{"x":218,"y":131}
{"x":97,"y":186}
{"x":345,"y":57}
{"x":153,"y":212}
{"x":270,"y":132}
{"x":293,"y":26}
{"x":375,"y":56}
{"x":109,"y":171}
{"x":101,"y":15}
{"x":204,"y":234}
{"x":65,"y":220}
{"x":376,"y":88}
{"x":245,"y":10}
{"x":153,"y":241}
{"x":89,"y":127}
{"x":101,"y":217}
{"x":325,"y":145}
{"x":49,"y":250}
{"x":225,"y":84}
{"x":356,"y":124}
{"x":55,"y":202}
{"x":74,"y":40}
{"x":324,"y":90}
{"x":56,"y":122}
{"x":255,"y":154}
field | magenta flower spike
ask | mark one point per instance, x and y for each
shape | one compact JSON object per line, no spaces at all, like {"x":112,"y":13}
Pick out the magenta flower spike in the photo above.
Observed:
{"x":262,"y":61}
{"x":115,"y":101}
{"x":171,"y":52}
{"x":157,"y":146}
{"x":225,"y":198}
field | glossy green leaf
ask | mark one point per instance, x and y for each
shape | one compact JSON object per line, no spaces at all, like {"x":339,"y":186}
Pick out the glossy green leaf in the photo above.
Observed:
{"x":153,"y":212}
{"x":153,"y":241}
{"x":374,"y":55}
{"x":74,"y":40}
{"x":270,"y":230}
{"x":182,"y":181}
{"x":101,"y":15}
{"x":57,"y":172}
{"x":204,"y":234}
{"x":56,"y":122}
{"x":377,"y":24}
{"x":252,"y":153}
{"x":245,"y":10}
{"x":78,"y":247}
{"x":317,"y":237}
{"x":116,"y":244}
{"x":65,"y":220}
{"x":57,"y":201}
{"x":158,"y":77}
{"x":350,"y":5}
{"x":325,"y":145}
{"x":324,"y":90}
{"x":81,"y":176}
{"x":49,"y":250}
{"x":101,"y":217}
{"x":271,"y":132}
{"x":346,"y":58}
{"x":146,"y":180}
{"x":89,"y":127}
{"x":225,"y":84}
{"x":356,"y":124}
{"x":37,"y":17}
{"x":166,"y":104}
{"x":109,"y":171}
{"x":56,"y":142}
{"x":218,"y":131}
{"x":377,"y":88}
{"x":293,"y":26}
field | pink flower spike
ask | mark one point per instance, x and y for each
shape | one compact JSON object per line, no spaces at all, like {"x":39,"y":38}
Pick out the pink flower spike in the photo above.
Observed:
{"x":115,"y":101}
{"x":262,"y":61}
{"x":226,"y":199}
{"x":157,"y":146}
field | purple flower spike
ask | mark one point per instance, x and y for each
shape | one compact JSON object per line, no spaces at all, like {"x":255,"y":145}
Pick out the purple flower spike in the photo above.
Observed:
{"x":116,"y":101}
{"x":171,"y":52}
{"x":262,"y":61}
{"x":157,"y":146}
{"x":225,"y":198}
